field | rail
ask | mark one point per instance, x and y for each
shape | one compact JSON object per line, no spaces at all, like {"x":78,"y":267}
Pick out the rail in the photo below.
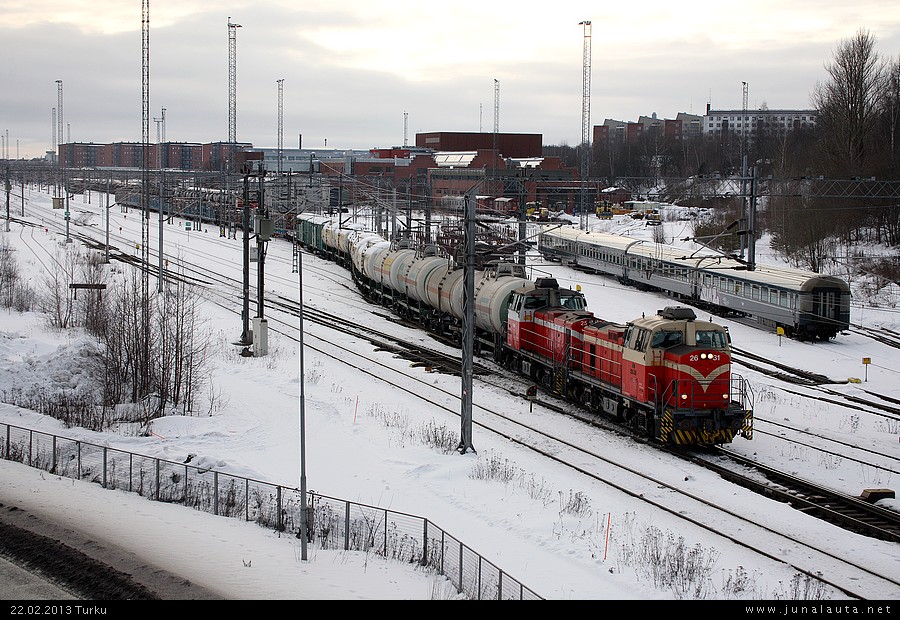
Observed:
{"x":334,"y":523}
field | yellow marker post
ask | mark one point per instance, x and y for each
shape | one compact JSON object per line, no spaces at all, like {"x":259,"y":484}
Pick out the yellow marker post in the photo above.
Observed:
{"x":780,"y":332}
{"x":866,"y":362}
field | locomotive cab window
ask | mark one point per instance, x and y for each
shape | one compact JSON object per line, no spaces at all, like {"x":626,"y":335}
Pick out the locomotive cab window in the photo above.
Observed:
{"x":711,"y":339}
{"x":666,"y":340}
{"x":640,"y":341}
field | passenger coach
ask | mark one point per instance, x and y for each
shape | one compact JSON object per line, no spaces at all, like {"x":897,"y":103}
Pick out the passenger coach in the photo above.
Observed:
{"x":806,"y":305}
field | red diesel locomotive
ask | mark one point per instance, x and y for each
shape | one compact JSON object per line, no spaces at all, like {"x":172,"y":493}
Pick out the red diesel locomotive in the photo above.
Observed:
{"x":667,"y":376}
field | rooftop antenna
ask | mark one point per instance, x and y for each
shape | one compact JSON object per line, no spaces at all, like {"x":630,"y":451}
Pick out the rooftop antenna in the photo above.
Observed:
{"x":405,"y":129}
{"x":585,"y":121}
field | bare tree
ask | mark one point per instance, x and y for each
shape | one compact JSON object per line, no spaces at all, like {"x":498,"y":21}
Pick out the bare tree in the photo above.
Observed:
{"x":849,"y":104}
{"x":55,"y":298}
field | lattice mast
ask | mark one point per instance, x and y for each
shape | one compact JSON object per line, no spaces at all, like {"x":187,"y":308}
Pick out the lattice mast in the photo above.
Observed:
{"x":280,"y":127}
{"x":585,"y":122}
{"x":232,"y":81}
{"x":496,"y":123}
{"x":59,"y":111}
{"x":144,"y":363}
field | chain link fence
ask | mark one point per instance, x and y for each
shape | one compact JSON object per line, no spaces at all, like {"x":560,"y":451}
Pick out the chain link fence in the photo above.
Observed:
{"x":333,"y":523}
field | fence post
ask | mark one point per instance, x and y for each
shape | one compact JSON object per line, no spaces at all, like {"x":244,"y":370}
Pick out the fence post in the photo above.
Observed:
{"x":216,"y":493}
{"x":54,"y":455}
{"x":78,"y":446}
{"x":479,"y":577}
{"x":156,"y":483}
{"x":424,"y":561}
{"x":460,"y":566}
{"x":246,"y":499}
{"x":346,"y":526}
{"x":185,"y":500}
{"x":30,"y":443}
{"x":278,"y":508}
{"x":385,"y":533}
{"x":104,"y":466}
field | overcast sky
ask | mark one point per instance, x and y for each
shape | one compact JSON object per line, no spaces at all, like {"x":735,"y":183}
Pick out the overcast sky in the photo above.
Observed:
{"x":369,"y":74}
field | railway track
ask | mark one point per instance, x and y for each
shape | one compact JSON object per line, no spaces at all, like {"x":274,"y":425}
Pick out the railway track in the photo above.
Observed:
{"x":851,"y":513}
{"x":638,"y":484}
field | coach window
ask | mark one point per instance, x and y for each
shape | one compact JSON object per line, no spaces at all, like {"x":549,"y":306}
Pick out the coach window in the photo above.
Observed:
{"x":783,"y":299}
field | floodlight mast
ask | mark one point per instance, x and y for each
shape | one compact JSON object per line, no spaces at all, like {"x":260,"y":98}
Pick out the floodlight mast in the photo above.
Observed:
{"x":585,"y":123}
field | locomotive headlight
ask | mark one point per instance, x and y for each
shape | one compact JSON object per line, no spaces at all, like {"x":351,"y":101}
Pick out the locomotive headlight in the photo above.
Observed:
{"x":684,"y":397}
{"x":703,"y":356}
{"x":725,"y":396}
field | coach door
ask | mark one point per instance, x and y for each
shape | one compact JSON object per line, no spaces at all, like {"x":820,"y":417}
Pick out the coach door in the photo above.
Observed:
{"x":826,"y":304}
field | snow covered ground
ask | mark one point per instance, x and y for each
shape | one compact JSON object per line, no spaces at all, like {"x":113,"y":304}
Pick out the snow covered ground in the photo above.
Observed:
{"x":360,"y":447}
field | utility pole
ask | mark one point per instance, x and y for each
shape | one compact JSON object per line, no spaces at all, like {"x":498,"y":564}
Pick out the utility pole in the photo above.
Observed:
{"x":7,"y":198}
{"x":246,"y":336}
{"x":263,"y":229}
{"x":468,"y":335}
{"x":744,"y":199}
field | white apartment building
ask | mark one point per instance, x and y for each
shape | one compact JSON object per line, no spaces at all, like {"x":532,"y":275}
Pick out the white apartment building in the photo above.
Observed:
{"x":752,"y":122}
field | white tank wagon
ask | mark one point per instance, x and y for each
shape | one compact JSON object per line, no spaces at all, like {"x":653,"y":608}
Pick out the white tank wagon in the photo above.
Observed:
{"x":492,"y":293}
{"x":417,"y":272}
{"x":361,"y":247}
